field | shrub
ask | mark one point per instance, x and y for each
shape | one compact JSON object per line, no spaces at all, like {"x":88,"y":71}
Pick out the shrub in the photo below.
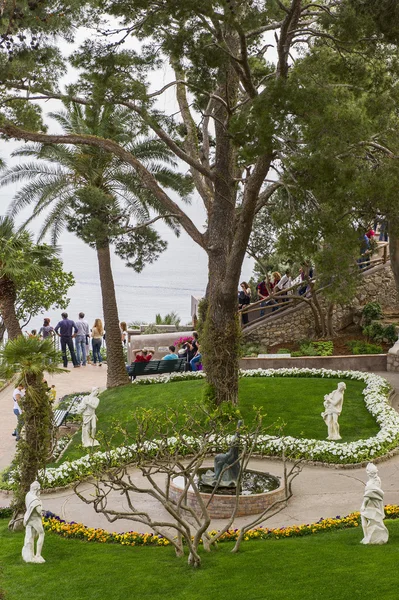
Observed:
{"x":378,"y":333}
{"x":371,"y":312}
{"x":283,"y":351}
{"x":359,"y":347}
{"x":315,"y":349}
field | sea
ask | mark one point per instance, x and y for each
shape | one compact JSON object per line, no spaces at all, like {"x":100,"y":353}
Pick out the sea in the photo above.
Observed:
{"x":164,"y":286}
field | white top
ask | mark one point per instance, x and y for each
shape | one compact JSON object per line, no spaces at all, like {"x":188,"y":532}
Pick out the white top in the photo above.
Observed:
{"x":285,"y":282}
{"x":15,"y":396}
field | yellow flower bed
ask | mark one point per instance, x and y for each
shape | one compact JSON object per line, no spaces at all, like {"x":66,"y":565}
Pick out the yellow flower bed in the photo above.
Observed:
{"x":133,"y":538}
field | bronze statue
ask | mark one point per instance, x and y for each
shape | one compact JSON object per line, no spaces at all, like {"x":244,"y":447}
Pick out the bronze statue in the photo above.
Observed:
{"x":226,"y":465}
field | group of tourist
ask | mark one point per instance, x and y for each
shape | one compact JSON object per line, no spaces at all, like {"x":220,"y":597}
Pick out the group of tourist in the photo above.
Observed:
{"x":190,"y":351}
{"x":276,"y":284}
{"x":75,"y":336}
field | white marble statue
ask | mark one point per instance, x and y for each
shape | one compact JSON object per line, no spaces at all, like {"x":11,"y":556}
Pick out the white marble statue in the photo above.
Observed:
{"x":372,"y":510}
{"x":34,"y":526}
{"x":333,"y":407}
{"x":88,"y":409}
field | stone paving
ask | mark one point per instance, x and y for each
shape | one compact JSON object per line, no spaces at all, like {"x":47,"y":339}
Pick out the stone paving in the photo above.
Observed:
{"x":318,"y":491}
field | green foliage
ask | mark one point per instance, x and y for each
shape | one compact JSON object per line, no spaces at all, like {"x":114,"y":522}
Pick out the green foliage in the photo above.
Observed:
{"x":315,"y":349}
{"x":171,"y":318}
{"x":252,"y":349}
{"x":380,"y":333}
{"x":283,"y":351}
{"x":30,"y":358}
{"x":151,"y":329}
{"x":372,"y":311}
{"x":359,"y":347}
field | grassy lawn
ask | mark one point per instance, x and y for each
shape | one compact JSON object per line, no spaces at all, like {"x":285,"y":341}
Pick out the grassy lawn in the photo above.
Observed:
{"x":298,"y":402}
{"x":327,"y":566}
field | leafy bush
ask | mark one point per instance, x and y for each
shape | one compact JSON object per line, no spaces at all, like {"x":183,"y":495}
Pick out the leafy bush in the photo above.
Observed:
{"x":378,"y":333}
{"x":371,"y":312}
{"x":151,"y":329}
{"x":283,"y":351}
{"x":252,"y":349}
{"x":314,"y":349}
{"x":359,"y":347}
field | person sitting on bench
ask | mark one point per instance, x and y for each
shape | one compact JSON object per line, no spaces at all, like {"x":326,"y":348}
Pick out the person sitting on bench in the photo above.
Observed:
{"x":172,"y":354}
{"x":145,"y":356}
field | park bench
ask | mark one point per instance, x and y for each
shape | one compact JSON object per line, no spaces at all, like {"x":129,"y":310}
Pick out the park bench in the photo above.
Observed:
{"x":155,"y":367}
{"x":61,"y":414}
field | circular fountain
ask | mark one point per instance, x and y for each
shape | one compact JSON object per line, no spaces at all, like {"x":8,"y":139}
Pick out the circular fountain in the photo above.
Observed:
{"x":218,"y":488}
{"x":258,"y":491}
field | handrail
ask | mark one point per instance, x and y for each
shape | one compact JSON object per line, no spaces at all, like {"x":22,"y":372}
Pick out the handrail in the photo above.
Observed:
{"x":287,"y":301}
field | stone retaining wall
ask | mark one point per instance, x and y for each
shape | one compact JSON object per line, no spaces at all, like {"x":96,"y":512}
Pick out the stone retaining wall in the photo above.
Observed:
{"x":295,"y":324}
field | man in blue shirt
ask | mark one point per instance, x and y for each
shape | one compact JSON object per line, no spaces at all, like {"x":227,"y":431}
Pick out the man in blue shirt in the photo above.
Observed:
{"x":65,"y":330}
{"x":172,"y":354}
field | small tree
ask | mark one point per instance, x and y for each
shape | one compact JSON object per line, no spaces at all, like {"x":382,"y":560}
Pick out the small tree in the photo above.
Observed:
{"x":29,"y":359}
{"x":179,"y":450}
{"x":30,"y":276}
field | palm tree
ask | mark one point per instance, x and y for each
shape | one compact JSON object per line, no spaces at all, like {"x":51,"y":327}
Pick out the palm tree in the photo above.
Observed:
{"x":30,"y":358}
{"x":95,"y":195}
{"x":20,"y":261}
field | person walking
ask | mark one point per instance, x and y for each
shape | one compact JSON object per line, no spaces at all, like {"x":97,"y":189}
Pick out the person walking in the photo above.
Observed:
{"x":66,"y":329}
{"x":97,"y":333}
{"x":17,"y":394}
{"x":80,"y":339}
{"x":123,"y":328}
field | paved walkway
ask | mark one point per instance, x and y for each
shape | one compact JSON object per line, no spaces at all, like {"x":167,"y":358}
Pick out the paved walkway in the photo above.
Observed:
{"x":318,"y":491}
{"x":75,"y":380}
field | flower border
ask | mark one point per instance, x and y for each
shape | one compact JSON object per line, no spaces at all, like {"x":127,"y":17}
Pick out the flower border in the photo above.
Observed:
{"x":54,"y":524}
{"x":71,"y":530}
{"x":376,"y":397}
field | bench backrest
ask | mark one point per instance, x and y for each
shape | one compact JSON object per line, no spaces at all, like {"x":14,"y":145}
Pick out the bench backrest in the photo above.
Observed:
{"x":153,"y":367}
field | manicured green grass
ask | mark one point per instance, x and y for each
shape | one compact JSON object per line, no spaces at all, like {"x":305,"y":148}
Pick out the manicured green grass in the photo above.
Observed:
{"x":327,"y":566}
{"x":297,"y":402}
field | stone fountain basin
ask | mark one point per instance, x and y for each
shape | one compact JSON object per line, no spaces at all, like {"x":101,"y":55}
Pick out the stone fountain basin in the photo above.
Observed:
{"x":222,"y":506}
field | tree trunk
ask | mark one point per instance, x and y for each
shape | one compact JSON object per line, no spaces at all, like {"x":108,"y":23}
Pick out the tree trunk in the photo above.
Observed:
{"x":7,"y":307}
{"x":394,"y":252}
{"x":35,"y":442}
{"x":221,"y":338}
{"x":116,"y":374}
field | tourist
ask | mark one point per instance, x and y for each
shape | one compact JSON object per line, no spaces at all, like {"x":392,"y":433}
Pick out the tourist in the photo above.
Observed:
{"x":52,"y":394}
{"x":263,"y":293}
{"x":244,"y":299}
{"x":88,"y":349}
{"x":46,"y":330}
{"x":284,"y":284}
{"x":142,"y":355}
{"x":97,"y":334}
{"x":67,"y":327}
{"x":80,"y":339}
{"x":17,"y":394}
{"x":172,"y":354}
{"x":383,"y":237}
{"x":195,"y":362}
{"x":123,"y":328}
{"x":365,"y":252}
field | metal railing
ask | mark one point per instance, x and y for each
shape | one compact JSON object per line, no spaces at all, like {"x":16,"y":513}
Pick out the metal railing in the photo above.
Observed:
{"x":280,"y":301}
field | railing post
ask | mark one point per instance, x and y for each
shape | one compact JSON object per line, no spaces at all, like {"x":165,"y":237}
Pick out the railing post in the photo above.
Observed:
{"x":384,"y":257}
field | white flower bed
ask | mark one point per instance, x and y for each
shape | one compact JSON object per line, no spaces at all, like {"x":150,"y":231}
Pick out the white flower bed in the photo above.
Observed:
{"x":376,"y":395}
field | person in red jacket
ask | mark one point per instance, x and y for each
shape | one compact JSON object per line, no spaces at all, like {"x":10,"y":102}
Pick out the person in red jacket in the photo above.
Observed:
{"x":145,"y":356}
